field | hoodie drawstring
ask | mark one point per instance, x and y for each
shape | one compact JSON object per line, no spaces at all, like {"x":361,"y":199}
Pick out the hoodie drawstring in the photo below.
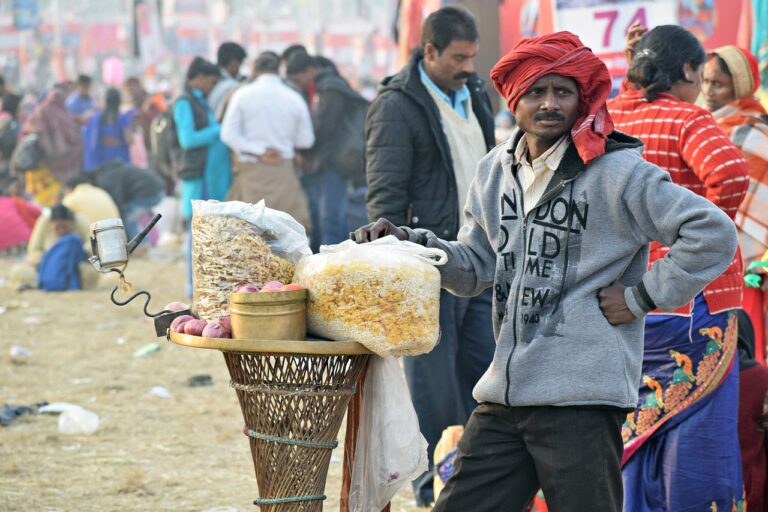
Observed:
{"x":567,"y":244}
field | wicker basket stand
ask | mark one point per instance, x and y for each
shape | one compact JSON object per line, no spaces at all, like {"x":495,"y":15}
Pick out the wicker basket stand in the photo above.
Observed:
{"x":293,"y":397}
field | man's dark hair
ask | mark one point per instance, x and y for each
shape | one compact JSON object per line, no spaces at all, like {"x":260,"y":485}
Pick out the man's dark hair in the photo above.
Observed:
{"x":299,"y":63}
{"x":660,"y":56}
{"x":446,"y":25}
{"x":200,"y":66}
{"x":268,"y":62}
{"x":112,"y":101}
{"x":83,"y":80}
{"x":61,"y":212}
{"x":292,"y":50}
{"x":326,"y":63}
{"x":228,"y":52}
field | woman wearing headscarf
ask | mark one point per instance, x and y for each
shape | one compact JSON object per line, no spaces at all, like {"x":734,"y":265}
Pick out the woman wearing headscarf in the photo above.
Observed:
{"x":753,"y":417}
{"x":61,"y":144}
{"x":681,"y":444}
{"x":731,"y":78}
{"x":107,"y":136}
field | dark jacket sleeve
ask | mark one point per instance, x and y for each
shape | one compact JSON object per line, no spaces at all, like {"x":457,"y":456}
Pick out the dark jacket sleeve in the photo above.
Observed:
{"x":328,"y":116}
{"x":388,"y":159}
{"x":330,"y":109}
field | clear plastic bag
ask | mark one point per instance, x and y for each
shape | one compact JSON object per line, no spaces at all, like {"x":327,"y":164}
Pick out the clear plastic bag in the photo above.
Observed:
{"x":390,"y":449}
{"x":384,"y":294}
{"x":235,"y":243}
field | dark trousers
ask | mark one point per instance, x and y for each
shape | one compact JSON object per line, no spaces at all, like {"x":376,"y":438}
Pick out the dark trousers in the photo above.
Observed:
{"x":507,"y":453}
{"x":441,"y":381}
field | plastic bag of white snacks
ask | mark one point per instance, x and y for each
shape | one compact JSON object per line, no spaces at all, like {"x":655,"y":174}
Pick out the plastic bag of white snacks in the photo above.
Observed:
{"x":235,"y":243}
{"x":384,"y":294}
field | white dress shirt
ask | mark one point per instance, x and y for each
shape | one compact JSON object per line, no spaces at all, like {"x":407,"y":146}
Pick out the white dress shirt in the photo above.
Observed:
{"x":267,"y":114}
{"x":534,"y":176}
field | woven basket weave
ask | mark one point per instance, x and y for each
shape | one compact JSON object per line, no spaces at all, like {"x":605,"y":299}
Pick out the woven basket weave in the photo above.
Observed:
{"x":293,"y":406}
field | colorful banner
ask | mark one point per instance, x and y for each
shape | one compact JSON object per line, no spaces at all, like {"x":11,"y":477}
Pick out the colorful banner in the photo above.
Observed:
{"x":148,"y":34}
{"x":524,"y":18}
{"x":603,"y":26}
{"x":411,"y":14}
{"x":714,"y":22}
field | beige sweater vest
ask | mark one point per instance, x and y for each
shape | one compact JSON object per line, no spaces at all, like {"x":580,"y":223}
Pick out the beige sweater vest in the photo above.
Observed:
{"x":467,"y":144}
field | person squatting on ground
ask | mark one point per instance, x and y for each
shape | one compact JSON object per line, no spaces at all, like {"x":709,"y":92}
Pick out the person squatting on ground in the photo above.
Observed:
{"x":57,"y":253}
{"x":426,"y":132}
{"x":685,"y":422}
{"x":564,"y":245}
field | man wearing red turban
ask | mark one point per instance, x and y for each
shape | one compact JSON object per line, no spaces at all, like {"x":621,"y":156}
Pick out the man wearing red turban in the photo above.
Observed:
{"x":558,"y":222}
{"x":562,"y":54}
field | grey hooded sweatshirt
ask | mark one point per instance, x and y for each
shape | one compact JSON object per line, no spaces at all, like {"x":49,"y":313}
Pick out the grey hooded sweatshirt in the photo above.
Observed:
{"x":591,"y":227}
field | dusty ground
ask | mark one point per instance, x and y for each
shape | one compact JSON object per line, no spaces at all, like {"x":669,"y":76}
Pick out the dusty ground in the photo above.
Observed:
{"x":149,"y":453}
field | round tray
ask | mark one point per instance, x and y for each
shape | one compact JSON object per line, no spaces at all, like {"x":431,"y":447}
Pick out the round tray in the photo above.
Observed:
{"x":324,"y":348}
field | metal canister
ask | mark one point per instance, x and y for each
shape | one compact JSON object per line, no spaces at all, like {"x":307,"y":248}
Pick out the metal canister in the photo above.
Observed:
{"x":269,"y":315}
{"x":109,"y":243}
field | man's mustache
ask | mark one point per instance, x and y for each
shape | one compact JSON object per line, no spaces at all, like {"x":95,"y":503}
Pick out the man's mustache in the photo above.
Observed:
{"x":548,"y":116}
{"x":461,"y":75}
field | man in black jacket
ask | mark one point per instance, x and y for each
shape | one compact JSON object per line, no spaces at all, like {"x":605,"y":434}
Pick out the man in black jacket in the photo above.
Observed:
{"x":337,"y":157}
{"x":426,"y":131}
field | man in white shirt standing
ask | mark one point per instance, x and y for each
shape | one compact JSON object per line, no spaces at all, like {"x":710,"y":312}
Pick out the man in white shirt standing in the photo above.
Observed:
{"x":265,"y":123}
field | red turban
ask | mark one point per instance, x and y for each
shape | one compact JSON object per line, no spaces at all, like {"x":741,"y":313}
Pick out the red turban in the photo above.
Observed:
{"x":564,"y":54}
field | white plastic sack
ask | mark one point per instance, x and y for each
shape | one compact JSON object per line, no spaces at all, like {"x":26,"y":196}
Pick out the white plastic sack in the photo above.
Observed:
{"x":235,"y":243}
{"x":390,"y":449}
{"x":284,"y":235}
{"x":78,"y":420}
{"x":384,"y":294}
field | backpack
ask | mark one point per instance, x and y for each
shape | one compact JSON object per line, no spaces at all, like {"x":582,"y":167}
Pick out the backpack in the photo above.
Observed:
{"x":171,"y":160}
{"x":27,"y":154}
{"x":163,"y":141}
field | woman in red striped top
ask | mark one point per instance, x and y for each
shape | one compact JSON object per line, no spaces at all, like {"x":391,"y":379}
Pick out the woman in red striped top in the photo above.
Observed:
{"x":681,"y":446}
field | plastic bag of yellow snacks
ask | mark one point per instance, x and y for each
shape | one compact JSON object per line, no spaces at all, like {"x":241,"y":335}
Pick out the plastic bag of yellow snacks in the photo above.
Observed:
{"x":384,"y":294}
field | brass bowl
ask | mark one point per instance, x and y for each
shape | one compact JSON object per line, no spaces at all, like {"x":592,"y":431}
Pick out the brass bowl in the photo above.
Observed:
{"x":269,"y":315}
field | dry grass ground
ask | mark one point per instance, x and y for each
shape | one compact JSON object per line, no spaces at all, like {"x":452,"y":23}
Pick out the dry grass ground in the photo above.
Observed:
{"x":149,"y":453}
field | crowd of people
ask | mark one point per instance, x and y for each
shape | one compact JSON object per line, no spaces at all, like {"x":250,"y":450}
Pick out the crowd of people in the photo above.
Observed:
{"x":598,"y":341}
{"x":291,"y":133}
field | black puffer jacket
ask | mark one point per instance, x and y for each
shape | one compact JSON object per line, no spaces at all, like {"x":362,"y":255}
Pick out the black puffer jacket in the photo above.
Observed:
{"x":409,"y":169}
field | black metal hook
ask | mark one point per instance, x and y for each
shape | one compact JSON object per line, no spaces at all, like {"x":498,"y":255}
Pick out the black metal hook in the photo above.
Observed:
{"x":142,"y":292}
{"x":146,"y":303}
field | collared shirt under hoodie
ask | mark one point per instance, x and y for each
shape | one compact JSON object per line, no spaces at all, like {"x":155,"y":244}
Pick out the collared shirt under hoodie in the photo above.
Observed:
{"x":535,"y":176}
{"x":464,"y":135}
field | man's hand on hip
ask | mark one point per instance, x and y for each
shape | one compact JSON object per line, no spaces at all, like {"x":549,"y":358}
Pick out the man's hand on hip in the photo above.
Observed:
{"x":613,"y":305}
